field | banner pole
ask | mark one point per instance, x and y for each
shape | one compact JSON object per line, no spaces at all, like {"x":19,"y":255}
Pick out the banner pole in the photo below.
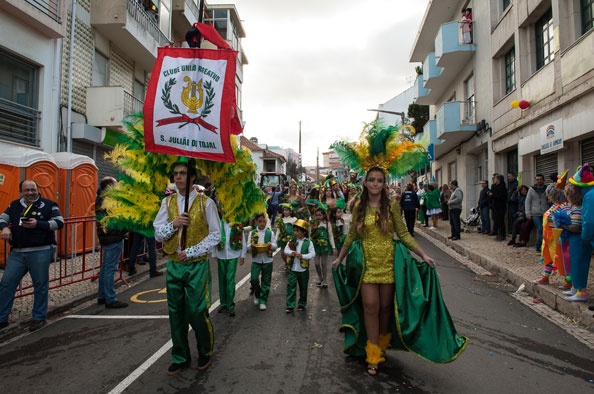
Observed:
{"x":188,"y":186}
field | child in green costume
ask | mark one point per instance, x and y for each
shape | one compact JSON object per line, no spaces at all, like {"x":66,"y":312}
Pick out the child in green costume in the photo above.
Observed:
{"x":299,"y":251}
{"x":323,"y":240}
{"x":261,"y":237}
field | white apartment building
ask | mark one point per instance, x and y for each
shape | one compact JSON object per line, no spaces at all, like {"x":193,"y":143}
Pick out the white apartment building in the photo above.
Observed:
{"x":540,"y":52}
{"x":31,"y":35}
{"x":114,"y":50}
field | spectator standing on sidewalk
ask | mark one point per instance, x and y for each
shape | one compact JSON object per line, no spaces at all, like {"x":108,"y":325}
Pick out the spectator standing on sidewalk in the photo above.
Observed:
{"x":512,"y":199}
{"x":33,"y":220}
{"x":136,"y":245}
{"x":520,"y":217}
{"x":112,"y":245}
{"x":484,"y":208}
{"x":495,"y":229}
{"x":410,"y":205}
{"x":498,"y":194}
{"x":433,"y":205}
{"x":444,"y":198}
{"x":423,"y":209}
{"x":536,"y":205}
{"x":455,"y":205}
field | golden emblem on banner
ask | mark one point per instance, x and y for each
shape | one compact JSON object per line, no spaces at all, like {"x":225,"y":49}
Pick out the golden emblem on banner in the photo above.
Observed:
{"x":189,"y":97}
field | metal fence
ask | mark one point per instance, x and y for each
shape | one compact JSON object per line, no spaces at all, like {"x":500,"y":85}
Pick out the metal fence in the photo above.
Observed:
{"x":50,"y":8}
{"x":77,"y":259}
{"x":19,"y":123}
{"x":147,"y":22}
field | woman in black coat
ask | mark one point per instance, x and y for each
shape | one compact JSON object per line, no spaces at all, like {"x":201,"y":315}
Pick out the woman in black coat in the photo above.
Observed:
{"x":498,"y":195}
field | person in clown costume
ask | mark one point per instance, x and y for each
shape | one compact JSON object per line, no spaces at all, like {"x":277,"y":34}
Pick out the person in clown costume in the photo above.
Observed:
{"x":188,"y":270}
{"x":230,"y":250}
{"x":378,"y":308}
{"x":300,"y":252}
{"x":552,"y":255}
{"x":581,"y":244}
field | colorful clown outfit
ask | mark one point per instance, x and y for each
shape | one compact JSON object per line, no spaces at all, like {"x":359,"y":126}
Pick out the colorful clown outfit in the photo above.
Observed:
{"x":232,"y":247}
{"x":581,"y":248}
{"x":420,"y":321}
{"x":189,"y":282}
{"x":552,"y":254}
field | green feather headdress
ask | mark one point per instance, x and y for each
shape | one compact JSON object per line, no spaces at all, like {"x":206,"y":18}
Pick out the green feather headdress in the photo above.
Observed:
{"x":382,"y":147}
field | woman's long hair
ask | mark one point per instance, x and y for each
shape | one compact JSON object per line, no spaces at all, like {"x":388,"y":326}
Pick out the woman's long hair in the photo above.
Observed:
{"x":383,"y":218}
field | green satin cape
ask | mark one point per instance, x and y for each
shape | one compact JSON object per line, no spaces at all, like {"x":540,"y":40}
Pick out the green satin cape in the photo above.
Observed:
{"x":421,"y":322}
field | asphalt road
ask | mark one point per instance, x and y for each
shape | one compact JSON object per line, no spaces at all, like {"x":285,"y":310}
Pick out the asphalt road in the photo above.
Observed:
{"x":512,"y":349}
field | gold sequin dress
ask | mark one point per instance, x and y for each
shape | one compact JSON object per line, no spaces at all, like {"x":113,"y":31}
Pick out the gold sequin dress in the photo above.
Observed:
{"x":378,"y":248}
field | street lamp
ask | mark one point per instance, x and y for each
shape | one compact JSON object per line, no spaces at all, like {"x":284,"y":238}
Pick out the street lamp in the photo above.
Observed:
{"x":401,"y":114}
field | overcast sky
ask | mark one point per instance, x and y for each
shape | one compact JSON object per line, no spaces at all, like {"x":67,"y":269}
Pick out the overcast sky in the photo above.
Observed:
{"x":324,"y":62}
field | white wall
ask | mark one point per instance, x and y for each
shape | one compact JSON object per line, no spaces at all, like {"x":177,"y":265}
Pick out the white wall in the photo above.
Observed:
{"x":30,"y":45}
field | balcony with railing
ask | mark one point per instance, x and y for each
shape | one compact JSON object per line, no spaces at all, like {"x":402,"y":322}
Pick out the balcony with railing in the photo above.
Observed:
{"x":130,"y":27}
{"x":45,"y":16}
{"x":454,"y":45}
{"x":456,"y":122}
{"x":19,"y":123}
{"x":107,"y":106}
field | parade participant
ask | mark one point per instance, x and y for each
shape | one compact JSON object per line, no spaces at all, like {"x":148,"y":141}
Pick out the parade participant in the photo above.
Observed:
{"x":296,"y":200}
{"x":570,"y":222}
{"x":33,"y":220}
{"x":112,"y":245}
{"x":323,"y":240}
{"x":340,"y":222}
{"x":231,"y":249}
{"x":284,"y":228}
{"x":188,"y":270}
{"x":377,"y":307}
{"x":300,"y":251}
{"x":551,"y":254}
{"x":581,"y":250}
{"x":262,"y":244}
{"x":328,"y":196}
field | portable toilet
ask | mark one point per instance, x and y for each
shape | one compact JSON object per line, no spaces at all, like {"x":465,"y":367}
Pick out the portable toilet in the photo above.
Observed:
{"x":18,"y":163}
{"x":78,"y":187}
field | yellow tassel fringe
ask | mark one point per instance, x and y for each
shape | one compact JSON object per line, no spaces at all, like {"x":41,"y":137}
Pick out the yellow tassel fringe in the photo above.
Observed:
{"x":384,"y":341}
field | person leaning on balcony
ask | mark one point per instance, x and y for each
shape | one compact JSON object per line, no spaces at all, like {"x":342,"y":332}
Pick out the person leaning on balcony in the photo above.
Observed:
{"x":32,"y":221}
{"x":466,"y":26}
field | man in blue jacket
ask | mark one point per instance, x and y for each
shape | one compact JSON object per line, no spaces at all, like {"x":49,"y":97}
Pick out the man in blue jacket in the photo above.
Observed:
{"x":28,"y":224}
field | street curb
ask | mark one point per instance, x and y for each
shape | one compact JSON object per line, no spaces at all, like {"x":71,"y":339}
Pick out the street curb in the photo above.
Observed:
{"x":20,"y":327}
{"x":552,"y":297}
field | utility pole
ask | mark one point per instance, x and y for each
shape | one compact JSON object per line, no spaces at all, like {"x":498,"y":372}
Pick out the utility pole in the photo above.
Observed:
{"x":299,"y":138}
{"x":318,"y":165}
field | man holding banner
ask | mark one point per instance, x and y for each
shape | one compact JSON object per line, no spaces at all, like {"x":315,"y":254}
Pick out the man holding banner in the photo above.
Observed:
{"x":190,"y":110}
{"x":188,"y":269}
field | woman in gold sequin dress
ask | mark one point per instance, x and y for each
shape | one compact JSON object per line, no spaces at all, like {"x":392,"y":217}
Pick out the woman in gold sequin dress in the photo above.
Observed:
{"x":375,"y":220}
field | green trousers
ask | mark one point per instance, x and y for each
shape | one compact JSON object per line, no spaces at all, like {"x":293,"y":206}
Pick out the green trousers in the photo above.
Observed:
{"x":188,"y":299}
{"x":294,"y":279}
{"x":261,"y":287}
{"x":227,"y":269}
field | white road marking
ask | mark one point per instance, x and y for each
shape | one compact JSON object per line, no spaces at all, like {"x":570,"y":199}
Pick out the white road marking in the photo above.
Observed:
{"x":117,"y":317}
{"x":124,"y":384}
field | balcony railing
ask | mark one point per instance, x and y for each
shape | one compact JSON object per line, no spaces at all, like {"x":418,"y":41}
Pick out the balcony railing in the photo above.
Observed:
{"x":19,"y":123}
{"x":146,"y":22}
{"x":468,"y":112}
{"x":50,"y":8}
{"x":131,"y":104}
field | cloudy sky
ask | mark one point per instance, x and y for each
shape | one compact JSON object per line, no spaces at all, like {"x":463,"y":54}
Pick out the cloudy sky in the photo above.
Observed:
{"x":324,"y":62}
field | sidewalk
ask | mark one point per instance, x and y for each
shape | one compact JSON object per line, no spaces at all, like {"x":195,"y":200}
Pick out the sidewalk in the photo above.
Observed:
{"x":63,"y":298}
{"x":518,"y":266}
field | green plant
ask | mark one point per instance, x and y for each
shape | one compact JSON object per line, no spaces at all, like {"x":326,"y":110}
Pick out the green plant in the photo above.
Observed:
{"x":420,"y":114}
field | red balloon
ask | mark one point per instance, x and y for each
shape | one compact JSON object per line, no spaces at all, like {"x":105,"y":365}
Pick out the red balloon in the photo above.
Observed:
{"x":524,"y":104}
